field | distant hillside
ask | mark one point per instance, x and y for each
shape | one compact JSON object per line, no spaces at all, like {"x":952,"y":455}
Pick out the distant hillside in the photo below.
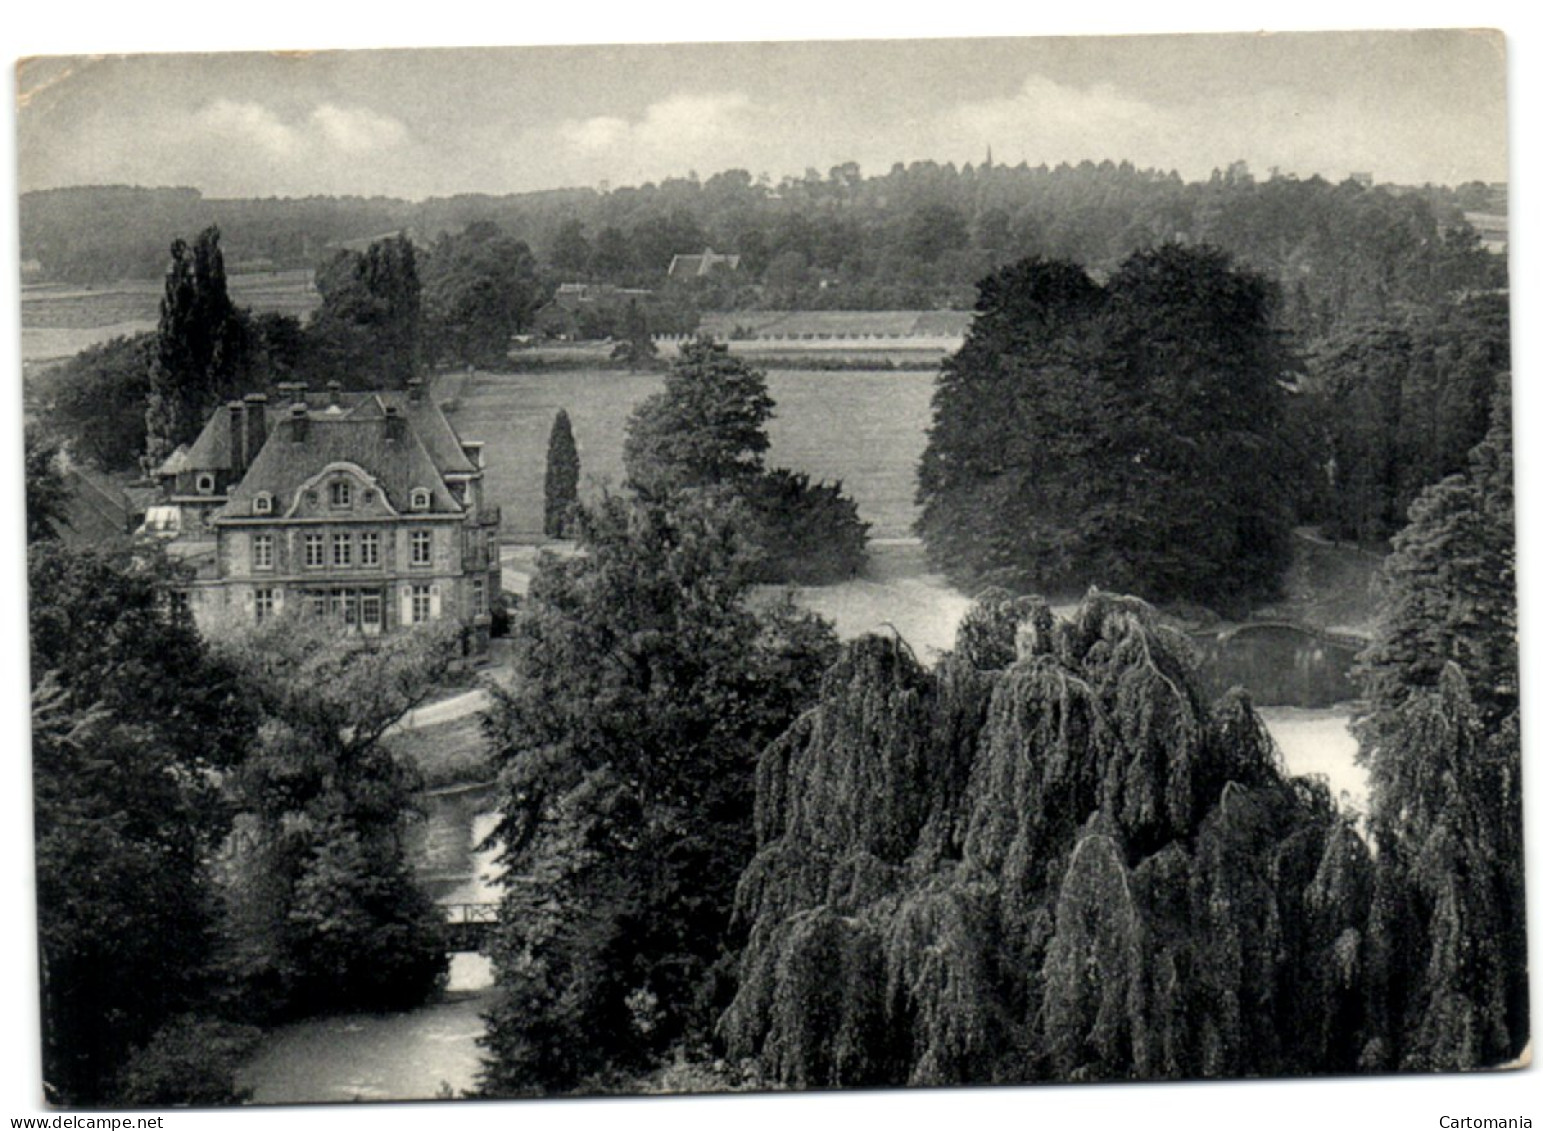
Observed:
{"x":915,"y":238}
{"x":109,"y":233}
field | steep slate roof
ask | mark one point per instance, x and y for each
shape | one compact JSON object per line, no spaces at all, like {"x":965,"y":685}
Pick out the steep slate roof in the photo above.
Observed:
{"x":285,"y":464}
{"x":96,"y":512}
{"x":211,"y":451}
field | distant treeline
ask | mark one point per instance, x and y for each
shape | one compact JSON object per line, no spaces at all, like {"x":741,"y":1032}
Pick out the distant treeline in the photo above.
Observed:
{"x":917,"y":237}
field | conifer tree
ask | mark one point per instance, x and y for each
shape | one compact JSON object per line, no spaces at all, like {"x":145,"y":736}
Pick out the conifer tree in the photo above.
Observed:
{"x":562,"y":477}
{"x":1441,"y":739}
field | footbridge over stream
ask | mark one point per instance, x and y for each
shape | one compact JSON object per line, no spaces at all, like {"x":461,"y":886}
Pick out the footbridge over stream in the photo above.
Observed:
{"x":468,"y":925}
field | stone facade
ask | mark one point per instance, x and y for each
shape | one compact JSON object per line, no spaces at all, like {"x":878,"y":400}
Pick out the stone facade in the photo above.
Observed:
{"x":365,"y":508}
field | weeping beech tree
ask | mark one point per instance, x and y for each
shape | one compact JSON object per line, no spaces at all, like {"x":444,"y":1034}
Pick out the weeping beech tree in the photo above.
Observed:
{"x":1046,"y":857}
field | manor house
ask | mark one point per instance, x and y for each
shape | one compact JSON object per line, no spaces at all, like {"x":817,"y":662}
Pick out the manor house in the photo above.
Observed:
{"x":364,"y":507}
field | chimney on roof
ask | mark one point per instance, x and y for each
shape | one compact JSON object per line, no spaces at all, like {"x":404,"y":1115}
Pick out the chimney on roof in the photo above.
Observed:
{"x":237,"y":440}
{"x":415,"y":389}
{"x":286,"y":390}
{"x":299,"y":422}
{"x":256,"y":431}
{"x":333,"y":389}
{"x":396,"y":427}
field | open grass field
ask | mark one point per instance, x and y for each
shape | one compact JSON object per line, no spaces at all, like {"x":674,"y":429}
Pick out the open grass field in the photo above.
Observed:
{"x":865,"y":428}
{"x":60,"y":320}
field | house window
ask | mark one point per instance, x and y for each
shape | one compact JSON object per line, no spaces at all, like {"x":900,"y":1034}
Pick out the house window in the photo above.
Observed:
{"x":420,"y":499}
{"x":262,"y":604}
{"x":262,"y":503}
{"x":370,"y":610}
{"x":318,"y":602}
{"x":262,"y":551}
{"x":342,"y":493}
{"x":421,"y":604}
{"x":342,"y":549}
{"x":369,"y":549}
{"x":422,"y":546}
{"x":315,"y":556}
{"x":205,"y":483}
{"x":479,"y":596}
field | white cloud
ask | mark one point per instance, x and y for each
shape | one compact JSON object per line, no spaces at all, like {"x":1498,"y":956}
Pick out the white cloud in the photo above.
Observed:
{"x":356,"y":130}
{"x":1047,"y":121}
{"x":694,"y":120}
{"x":666,"y":138}
{"x":594,"y":133}
{"x":229,"y":146}
{"x":246,"y":123}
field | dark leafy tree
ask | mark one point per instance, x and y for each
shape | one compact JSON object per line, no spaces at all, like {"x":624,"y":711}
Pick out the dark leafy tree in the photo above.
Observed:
{"x":571,"y":251}
{"x":47,"y":493}
{"x":95,"y":402}
{"x":562,"y":477}
{"x":1395,"y":405}
{"x":1129,"y":435}
{"x":282,"y":341}
{"x":1066,"y":867}
{"x":203,"y":350}
{"x":479,"y":290}
{"x":133,"y":725}
{"x":644,"y":685}
{"x":1441,"y":738}
{"x":367,"y":330}
{"x":322,"y":910}
{"x":637,"y":346}
{"x":191,"y":1062}
{"x":807,"y":533}
{"x":708,"y":428}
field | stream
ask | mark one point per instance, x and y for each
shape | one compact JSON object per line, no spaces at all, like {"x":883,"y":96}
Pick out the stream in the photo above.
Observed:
{"x":424,"y":1053}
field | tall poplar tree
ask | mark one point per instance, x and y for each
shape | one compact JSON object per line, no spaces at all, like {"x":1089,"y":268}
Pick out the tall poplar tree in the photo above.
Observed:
{"x":562,"y":477}
{"x":202,"y":350}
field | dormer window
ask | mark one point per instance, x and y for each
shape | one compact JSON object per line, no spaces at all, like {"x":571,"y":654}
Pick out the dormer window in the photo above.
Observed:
{"x":420,"y":498}
{"x":262,"y":503}
{"x":205,"y":483}
{"x":342,"y":493}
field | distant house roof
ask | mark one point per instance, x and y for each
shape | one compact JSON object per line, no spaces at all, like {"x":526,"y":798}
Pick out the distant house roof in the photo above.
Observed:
{"x":362,"y":243}
{"x":695,"y":266}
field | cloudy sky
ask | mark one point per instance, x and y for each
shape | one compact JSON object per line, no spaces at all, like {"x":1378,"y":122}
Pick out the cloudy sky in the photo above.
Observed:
{"x":1405,"y":106}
